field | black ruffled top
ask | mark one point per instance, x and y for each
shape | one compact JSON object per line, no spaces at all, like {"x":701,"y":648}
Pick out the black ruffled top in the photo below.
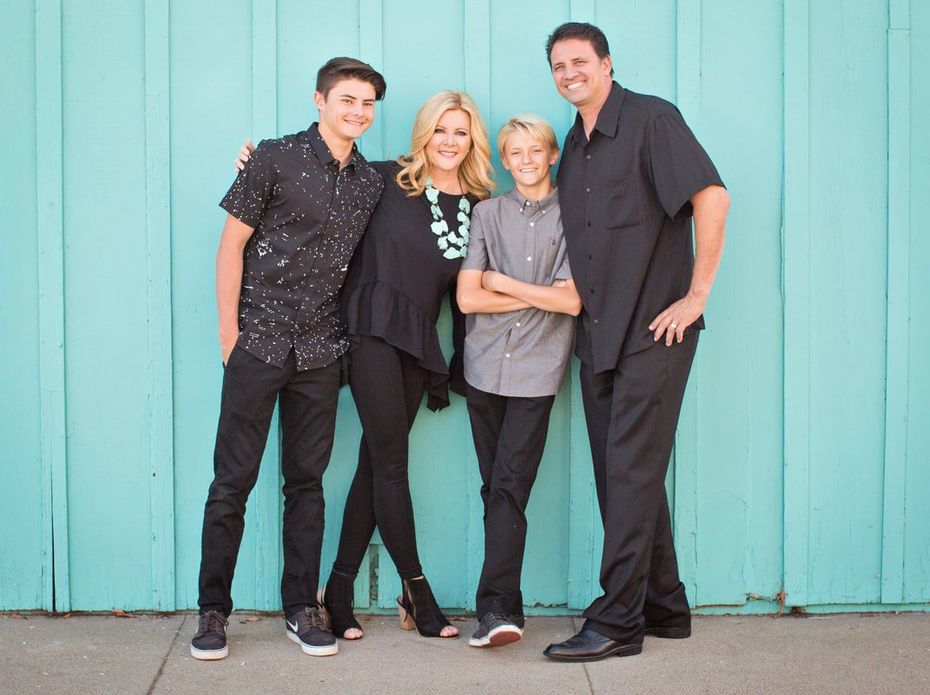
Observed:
{"x":398,"y":279}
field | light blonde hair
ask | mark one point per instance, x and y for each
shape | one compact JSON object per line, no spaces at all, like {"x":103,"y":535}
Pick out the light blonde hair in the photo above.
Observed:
{"x":528,"y":124}
{"x":475,"y":171}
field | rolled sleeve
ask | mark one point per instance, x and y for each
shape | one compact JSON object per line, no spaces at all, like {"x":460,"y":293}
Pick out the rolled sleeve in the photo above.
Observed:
{"x":680,"y":166}
{"x":564,"y":272}
{"x":248,"y":197}
{"x":476,"y":255}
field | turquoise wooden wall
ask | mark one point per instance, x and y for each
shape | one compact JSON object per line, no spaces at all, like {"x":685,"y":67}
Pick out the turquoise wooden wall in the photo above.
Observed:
{"x":800,"y":469}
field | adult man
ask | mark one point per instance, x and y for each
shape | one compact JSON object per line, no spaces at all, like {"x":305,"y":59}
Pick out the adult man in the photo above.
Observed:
{"x":632,"y":177}
{"x":296,"y":213}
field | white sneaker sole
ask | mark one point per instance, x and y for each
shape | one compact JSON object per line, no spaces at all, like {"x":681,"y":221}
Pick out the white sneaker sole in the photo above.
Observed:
{"x":497,"y":637}
{"x":327,"y":650}
{"x":209,"y":654}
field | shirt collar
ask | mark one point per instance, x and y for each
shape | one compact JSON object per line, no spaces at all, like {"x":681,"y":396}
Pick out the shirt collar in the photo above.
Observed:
{"x":311,"y":138}
{"x":521,"y":201}
{"x":607,"y":118}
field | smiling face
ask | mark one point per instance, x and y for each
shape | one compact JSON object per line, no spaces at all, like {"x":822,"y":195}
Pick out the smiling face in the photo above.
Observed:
{"x":450,"y":142}
{"x":580,"y":76}
{"x":527,"y":159}
{"x":347,"y":110}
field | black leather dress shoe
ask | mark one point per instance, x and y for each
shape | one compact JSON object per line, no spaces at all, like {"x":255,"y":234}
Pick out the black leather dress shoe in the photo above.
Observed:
{"x":669,"y":631}
{"x":589,"y":645}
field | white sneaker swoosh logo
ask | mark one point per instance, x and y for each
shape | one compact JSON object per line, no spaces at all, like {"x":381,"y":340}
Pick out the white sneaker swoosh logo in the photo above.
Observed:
{"x":291,"y":625}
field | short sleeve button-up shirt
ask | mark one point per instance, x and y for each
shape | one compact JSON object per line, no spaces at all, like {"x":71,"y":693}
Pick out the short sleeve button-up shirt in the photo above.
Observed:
{"x":308,"y":216}
{"x":518,"y":353}
{"x":625,"y":194}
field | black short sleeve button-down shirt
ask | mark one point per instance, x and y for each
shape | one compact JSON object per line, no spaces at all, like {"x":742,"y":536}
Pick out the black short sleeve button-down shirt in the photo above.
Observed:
{"x":624,"y":194}
{"x":308,"y":217}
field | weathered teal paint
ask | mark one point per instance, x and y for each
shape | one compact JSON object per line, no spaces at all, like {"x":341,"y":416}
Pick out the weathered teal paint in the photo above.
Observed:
{"x":800,"y":463}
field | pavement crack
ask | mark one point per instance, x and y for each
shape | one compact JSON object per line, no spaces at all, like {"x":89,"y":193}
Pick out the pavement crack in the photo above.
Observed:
{"x":161,"y":668}
{"x":588,"y":678}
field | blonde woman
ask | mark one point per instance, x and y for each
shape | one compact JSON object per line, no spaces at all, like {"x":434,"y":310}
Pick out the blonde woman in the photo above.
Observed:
{"x":405,"y":266}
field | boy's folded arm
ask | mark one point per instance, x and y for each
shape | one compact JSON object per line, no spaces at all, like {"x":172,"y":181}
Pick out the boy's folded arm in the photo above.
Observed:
{"x":472,"y":298}
{"x":561,"y":297}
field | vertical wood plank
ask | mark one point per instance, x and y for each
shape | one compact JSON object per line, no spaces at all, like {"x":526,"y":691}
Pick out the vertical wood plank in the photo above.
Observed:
{"x":477,"y":80}
{"x":797,"y":289}
{"x":56,"y":589}
{"x":266,"y":500}
{"x":371,"y":50}
{"x":898,"y":334}
{"x":585,"y":530}
{"x":158,"y":258}
{"x":685,"y":512}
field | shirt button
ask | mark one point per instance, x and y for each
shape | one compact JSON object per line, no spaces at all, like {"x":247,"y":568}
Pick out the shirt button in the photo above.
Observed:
{"x":595,"y":322}
{"x":518,"y":324}
{"x":506,"y":354}
{"x":587,"y":156}
{"x":532,"y":224}
{"x":587,"y":190}
{"x":529,"y":258}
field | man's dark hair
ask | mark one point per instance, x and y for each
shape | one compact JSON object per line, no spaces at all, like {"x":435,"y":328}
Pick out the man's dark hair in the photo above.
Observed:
{"x":584,"y":32}
{"x":342,"y":68}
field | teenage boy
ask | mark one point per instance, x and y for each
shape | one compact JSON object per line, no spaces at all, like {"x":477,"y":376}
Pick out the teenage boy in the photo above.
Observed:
{"x":516,"y":287}
{"x":632,"y":178}
{"x":296,"y":212}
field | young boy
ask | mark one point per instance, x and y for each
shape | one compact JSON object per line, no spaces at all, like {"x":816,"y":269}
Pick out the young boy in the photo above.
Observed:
{"x":295,"y":215}
{"x":516,"y":287}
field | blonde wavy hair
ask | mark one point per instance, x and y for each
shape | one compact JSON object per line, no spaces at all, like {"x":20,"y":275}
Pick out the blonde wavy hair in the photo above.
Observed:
{"x":474,"y":172}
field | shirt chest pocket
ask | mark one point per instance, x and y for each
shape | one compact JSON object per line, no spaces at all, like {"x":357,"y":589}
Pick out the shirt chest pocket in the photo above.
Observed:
{"x":623,"y":202}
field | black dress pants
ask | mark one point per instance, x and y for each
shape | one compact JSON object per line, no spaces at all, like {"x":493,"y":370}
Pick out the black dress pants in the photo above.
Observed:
{"x":631,"y":414}
{"x":388,"y":386}
{"x":308,"y":417}
{"x":510,"y":435}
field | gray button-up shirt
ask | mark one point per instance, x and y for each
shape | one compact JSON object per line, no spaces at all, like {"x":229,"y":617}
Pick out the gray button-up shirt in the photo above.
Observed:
{"x":518,"y":353}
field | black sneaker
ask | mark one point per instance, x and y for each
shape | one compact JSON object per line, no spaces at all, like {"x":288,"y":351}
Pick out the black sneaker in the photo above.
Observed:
{"x":209,"y":642}
{"x":309,"y":627}
{"x":495,"y":630}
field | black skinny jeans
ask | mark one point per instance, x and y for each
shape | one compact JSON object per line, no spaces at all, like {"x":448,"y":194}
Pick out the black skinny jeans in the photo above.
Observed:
{"x":388,"y":386}
{"x":308,"y":418}
{"x":510,"y":436}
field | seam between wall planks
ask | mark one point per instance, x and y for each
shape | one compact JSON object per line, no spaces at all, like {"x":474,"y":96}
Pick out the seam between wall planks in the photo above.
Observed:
{"x":685,"y":513}
{"x":266,"y":501}
{"x":898,"y":312}
{"x":158,"y":266}
{"x":371,"y":50}
{"x":796,"y":278}
{"x":477,"y":79}
{"x":56,"y":590}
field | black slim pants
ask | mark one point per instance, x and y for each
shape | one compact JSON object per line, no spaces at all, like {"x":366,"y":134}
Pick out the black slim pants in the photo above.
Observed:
{"x":632,"y":413}
{"x":388,"y":386}
{"x":510,"y":435}
{"x":308,"y":417}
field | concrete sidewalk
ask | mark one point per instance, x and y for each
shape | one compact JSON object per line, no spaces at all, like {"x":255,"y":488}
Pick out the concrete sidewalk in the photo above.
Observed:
{"x":736,"y":654}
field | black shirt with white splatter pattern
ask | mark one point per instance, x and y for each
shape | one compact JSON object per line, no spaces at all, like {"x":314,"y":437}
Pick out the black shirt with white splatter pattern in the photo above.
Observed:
{"x":308,"y":217}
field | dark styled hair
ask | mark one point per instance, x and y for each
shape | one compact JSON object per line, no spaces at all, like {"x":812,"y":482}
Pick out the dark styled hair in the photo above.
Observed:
{"x":342,"y":68}
{"x":584,"y":32}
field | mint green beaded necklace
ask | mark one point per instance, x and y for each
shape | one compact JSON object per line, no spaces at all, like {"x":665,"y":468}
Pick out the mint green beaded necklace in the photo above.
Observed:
{"x":452,"y":244}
